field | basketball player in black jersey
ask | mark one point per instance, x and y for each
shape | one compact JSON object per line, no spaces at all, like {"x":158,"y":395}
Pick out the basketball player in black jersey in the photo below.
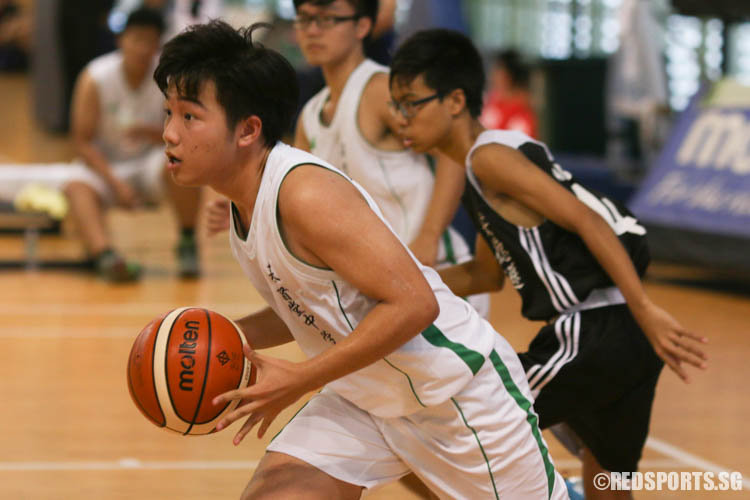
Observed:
{"x":574,"y":256}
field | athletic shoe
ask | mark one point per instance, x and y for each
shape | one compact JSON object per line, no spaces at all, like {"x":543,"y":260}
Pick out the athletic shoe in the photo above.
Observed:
{"x":114,"y":268}
{"x":188,"y":262}
{"x":575,"y":488}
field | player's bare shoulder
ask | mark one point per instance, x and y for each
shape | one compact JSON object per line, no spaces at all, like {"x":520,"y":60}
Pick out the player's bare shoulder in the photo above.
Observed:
{"x":373,"y":116}
{"x":492,"y":162}
{"x":311,"y":191}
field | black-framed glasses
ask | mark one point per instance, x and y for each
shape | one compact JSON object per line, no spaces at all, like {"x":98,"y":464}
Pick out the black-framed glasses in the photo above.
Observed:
{"x":408,"y":109}
{"x":323,"y":22}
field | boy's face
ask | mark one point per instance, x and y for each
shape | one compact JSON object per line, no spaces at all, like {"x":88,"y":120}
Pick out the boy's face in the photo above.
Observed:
{"x":324,"y":33}
{"x":139,"y":45}
{"x":422,"y":116}
{"x":199,"y":145}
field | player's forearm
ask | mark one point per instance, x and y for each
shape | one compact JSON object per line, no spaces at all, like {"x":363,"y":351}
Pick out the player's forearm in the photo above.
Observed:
{"x":95,"y":159}
{"x":469,"y":279}
{"x":264,"y":329}
{"x":611,"y":255}
{"x":386,"y":328}
{"x":446,"y":195}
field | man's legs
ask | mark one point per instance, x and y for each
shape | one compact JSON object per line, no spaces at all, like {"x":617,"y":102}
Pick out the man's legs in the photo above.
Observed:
{"x":591,"y":468}
{"x":87,"y":211}
{"x":282,"y":476}
{"x":186,"y":202}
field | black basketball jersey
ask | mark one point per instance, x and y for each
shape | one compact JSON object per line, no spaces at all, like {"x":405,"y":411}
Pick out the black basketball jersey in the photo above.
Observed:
{"x":551,"y":267}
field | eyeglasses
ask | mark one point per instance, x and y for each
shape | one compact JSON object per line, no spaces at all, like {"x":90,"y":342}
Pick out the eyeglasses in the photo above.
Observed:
{"x":323,"y":22}
{"x":408,"y":109}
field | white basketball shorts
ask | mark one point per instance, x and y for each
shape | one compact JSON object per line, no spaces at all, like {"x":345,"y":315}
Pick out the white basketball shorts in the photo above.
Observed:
{"x":483,"y":442}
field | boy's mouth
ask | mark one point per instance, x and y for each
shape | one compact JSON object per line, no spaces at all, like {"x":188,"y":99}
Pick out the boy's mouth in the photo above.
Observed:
{"x":172,"y":160}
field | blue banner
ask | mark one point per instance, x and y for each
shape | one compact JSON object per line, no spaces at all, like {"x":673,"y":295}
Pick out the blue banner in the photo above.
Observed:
{"x":701,"y":181}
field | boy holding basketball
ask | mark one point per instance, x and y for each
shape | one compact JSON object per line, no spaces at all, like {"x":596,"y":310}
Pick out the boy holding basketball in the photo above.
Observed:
{"x":412,"y":378}
{"x":574,"y":256}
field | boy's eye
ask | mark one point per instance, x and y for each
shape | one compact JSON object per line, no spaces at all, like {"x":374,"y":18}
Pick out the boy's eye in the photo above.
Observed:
{"x":167,"y":112}
{"x":188,"y":116}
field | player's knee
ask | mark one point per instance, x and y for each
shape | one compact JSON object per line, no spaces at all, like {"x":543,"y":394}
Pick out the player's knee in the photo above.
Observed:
{"x":78,"y":189}
{"x":273,"y":479}
{"x":280,"y":476}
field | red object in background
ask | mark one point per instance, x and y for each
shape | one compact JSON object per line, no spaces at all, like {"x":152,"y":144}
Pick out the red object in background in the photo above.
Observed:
{"x":512,"y":113}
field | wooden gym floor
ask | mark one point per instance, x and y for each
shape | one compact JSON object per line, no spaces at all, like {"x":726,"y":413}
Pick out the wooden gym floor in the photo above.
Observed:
{"x":68,"y":429}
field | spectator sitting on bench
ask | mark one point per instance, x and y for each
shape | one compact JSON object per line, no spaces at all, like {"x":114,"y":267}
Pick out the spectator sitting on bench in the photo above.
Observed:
{"x":117,"y":117}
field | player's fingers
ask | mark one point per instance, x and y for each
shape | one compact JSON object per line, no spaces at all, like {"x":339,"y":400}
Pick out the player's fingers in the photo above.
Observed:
{"x":228,"y":396}
{"x":694,"y":336}
{"x":674,"y":364}
{"x":267,"y":420}
{"x":692,"y":354}
{"x":238,"y":413}
{"x":246,"y":427}
{"x":252,"y":356}
{"x":688,"y":357}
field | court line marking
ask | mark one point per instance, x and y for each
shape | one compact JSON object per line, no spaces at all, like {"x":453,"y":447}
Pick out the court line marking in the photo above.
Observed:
{"x":129,"y":464}
{"x":70,"y":332}
{"x":129,"y":309}
{"x":689,"y":459}
{"x":135,"y":464}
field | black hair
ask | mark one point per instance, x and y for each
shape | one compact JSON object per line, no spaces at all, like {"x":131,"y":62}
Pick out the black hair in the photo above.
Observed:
{"x":362,"y":8}
{"x":249,"y":78}
{"x":513,"y":63}
{"x":447,"y":60}
{"x":146,"y":17}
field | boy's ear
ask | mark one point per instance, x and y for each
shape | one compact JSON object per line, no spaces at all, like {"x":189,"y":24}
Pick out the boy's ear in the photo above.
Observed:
{"x":364,"y":27}
{"x":249,"y":130}
{"x":456,"y":99}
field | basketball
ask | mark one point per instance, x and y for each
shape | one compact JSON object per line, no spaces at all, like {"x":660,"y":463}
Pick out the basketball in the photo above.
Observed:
{"x":180,"y":362}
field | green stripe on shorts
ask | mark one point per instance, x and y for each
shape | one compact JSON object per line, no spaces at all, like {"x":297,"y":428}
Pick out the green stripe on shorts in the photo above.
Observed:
{"x":481,"y":448}
{"x":473,"y":359}
{"x":531,"y":418}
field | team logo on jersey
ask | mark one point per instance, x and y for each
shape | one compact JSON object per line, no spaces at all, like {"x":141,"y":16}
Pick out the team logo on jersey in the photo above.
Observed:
{"x":502,"y":255}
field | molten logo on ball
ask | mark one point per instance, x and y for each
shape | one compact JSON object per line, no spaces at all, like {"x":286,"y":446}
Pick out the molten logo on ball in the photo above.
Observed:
{"x":187,"y":349}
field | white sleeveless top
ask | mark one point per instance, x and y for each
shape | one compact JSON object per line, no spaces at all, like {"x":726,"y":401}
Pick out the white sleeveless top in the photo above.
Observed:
{"x":400,"y":181}
{"x":321,"y":309}
{"x":121,"y":107}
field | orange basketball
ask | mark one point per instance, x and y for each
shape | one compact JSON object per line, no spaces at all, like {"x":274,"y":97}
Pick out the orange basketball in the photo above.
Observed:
{"x":180,"y":362}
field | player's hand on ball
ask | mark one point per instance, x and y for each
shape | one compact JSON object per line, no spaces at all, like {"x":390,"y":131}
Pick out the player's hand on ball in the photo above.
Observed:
{"x":279,"y":384}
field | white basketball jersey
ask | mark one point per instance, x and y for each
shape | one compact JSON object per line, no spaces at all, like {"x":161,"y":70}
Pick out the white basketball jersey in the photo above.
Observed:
{"x":121,"y":107}
{"x":321,"y":309}
{"x":400,"y":181}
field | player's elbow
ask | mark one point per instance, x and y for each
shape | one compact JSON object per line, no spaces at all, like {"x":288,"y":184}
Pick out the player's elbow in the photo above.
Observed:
{"x":425,"y":309}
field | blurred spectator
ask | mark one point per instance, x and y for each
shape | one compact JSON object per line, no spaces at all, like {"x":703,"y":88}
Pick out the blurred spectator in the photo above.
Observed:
{"x":15,"y":36}
{"x":178,"y":14}
{"x":117,"y":119}
{"x":508,"y":101}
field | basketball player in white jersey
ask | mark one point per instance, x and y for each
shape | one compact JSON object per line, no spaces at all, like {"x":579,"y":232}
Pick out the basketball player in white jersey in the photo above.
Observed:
{"x":574,"y":256}
{"x":348,"y":124}
{"x":116,"y":121}
{"x":411,"y":378}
